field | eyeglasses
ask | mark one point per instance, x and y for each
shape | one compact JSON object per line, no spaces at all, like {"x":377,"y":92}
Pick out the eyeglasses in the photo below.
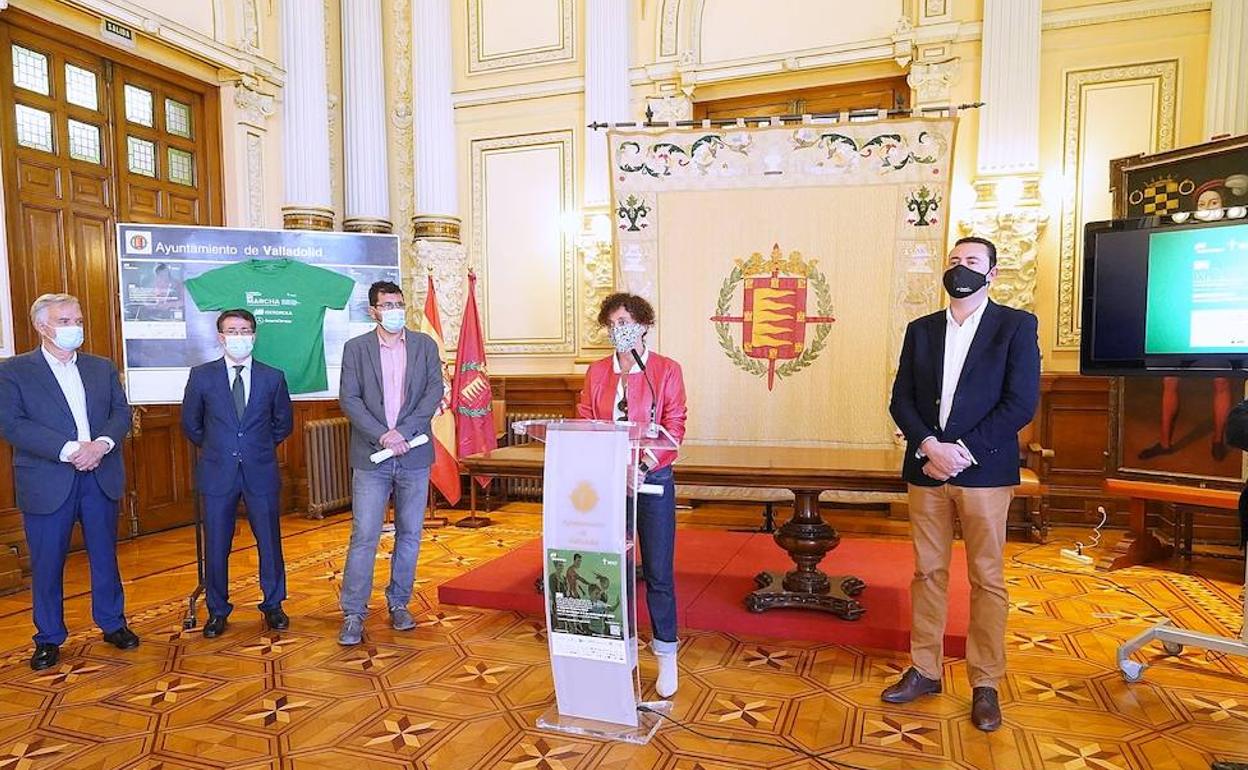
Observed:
{"x":623,"y":407}
{"x":390,"y":306}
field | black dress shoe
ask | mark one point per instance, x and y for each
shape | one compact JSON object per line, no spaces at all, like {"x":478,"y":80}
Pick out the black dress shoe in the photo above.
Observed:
{"x":985,"y":711}
{"x":1156,"y":450}
{"x":276,"y":619}
{"x":911,"y":686}
{"x":214,"y":627}
{"x":123,"y":638}
{"x":46,"y":656}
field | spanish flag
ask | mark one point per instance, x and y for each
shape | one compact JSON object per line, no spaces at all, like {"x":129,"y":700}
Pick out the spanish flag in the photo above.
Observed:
{"x":445,"y":471}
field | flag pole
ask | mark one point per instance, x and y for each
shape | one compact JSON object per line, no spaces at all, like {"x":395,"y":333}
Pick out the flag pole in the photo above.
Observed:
{"x":472,"y":401}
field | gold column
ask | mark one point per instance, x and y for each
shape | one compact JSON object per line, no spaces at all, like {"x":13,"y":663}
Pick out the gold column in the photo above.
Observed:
{"x":1009,"y":213}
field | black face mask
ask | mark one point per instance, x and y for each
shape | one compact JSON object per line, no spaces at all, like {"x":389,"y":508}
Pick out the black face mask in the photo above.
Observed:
{"x":961,"y":281}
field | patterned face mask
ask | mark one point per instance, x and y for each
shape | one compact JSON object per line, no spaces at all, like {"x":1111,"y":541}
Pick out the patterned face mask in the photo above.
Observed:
{"x":626,"y":336}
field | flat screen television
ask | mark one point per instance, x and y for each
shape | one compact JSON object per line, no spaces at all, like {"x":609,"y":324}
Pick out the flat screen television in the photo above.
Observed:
{"x":1163,"y":299}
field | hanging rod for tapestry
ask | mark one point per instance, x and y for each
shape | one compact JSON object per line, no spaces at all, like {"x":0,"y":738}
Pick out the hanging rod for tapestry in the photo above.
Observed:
{"x":649,"y":122}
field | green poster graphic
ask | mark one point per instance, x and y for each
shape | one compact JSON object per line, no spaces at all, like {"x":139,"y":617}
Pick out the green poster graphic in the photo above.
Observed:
{"x":289,"y":300}
{"x":1197,"y":298}
{"x":583,"y":588}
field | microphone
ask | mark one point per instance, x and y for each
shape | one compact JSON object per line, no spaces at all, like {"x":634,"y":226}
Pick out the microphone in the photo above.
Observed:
{"x":651,"y":430}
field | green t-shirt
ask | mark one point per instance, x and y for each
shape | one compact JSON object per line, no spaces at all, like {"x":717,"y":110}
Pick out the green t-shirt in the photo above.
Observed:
{"x":288,"y":299}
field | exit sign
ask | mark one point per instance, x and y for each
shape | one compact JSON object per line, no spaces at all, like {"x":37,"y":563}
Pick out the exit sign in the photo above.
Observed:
{"x":117,"y":33}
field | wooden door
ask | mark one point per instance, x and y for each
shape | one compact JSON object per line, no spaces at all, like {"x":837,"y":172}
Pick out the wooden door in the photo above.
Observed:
{"x":92,"y":137}
{"x":168,"y":173}
{"x":59,"y":198}
{"x":60,"y":194}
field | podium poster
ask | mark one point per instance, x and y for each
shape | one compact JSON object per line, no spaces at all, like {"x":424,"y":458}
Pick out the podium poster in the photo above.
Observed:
{"x":165,"y":332}
{"x":586,"y":608}
{"x":588,"y":567}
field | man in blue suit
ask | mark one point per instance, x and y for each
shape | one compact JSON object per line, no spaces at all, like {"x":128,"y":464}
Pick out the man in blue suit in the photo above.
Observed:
{"x":967,"y":383}
{"x":237,"y":410}
{"x":65,"y":415}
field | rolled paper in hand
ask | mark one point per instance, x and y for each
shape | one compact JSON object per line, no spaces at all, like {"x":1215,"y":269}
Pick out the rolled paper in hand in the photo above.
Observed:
{"x":386,"y":454}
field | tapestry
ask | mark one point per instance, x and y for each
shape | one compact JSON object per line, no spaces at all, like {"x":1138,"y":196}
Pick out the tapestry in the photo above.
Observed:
{"x":784,"y":263}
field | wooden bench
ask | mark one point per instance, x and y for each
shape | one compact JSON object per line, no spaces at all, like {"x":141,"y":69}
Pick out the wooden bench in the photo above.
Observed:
{"x":1140,"y":545}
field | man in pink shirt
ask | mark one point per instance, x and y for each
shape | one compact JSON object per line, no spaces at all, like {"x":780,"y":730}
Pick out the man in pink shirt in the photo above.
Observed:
{"x":390,"y":388}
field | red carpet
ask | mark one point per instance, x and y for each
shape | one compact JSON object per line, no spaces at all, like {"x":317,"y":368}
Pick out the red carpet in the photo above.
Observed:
{"x":714,"y":572}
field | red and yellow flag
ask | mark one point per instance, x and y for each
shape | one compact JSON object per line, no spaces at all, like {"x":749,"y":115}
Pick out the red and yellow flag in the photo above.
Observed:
{"x":471,"y":399}
{"x":444,"y":474}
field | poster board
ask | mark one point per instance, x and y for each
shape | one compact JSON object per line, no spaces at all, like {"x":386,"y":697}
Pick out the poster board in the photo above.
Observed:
{"x":164,"y":333}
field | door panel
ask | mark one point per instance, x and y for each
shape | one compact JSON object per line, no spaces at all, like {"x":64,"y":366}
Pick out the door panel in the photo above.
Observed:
{"x":83,"y":159}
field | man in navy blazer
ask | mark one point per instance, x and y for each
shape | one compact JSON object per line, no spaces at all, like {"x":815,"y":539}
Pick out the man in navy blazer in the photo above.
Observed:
{"x":65,"y":415}
{"x":968,"y":381}
{"x":237,"y":410}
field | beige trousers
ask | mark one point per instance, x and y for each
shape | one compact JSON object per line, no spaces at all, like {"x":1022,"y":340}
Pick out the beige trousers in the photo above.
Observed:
{"x":982,"y":512}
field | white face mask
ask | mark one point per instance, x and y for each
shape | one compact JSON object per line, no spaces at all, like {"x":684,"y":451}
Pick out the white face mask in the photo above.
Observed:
{"x":67,"y":338}
{"x":626,"y":336}
{"x":239,"y":346}
{"x":394,"y":319}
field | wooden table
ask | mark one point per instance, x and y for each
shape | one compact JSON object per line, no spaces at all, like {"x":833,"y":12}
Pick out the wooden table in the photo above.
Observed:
{"x":1140,"y":545}
{"x":805,"y":537}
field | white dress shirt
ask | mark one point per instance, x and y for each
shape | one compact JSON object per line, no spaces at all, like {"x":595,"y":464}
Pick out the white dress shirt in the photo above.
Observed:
{"x":958,"y":339}
{"x":616,"y":413}
{"x":246,"y":374}
{"x":68,"y":377}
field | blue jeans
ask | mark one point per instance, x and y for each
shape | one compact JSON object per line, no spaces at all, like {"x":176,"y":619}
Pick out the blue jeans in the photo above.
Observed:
{"x":370,"y":491}
{"x":48,"y":537}
{"x":656,"y":533}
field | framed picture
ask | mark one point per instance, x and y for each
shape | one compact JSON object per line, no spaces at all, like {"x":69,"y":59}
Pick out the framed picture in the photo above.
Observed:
{"x":1209,"y":175}
{"x":1170,"y":428}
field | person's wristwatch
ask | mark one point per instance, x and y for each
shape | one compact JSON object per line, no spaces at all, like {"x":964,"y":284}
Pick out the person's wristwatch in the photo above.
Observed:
{"x":641,"y":466}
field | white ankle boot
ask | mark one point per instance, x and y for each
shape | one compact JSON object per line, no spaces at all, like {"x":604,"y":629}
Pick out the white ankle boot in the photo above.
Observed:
{"x":667,"y":682}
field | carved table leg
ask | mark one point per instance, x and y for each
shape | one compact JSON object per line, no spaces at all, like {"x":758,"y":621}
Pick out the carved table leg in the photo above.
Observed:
{"x":1139,"y":546}
{"x":806,"y":537}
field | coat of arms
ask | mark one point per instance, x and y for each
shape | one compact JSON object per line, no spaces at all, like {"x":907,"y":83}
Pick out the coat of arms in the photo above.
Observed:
{"x":774,"y":314}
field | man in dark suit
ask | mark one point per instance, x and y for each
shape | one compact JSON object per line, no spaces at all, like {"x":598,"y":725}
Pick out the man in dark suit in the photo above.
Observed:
{"x":237,"y":410}
{"x":390,"y":389}
{"x":967,"y":382}
{"x":65,"y":415}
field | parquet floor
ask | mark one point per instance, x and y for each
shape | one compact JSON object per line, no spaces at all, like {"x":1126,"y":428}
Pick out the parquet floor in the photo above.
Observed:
{"x":463,"y":690}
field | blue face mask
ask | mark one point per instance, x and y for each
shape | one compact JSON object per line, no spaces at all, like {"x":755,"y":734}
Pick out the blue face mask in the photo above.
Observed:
{"x":239,"y":346}
{"x":68,"y":338}
{"x":393,"y":320}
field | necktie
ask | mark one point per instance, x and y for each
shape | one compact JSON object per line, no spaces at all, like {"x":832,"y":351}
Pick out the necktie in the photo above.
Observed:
{"x":240,"y":395}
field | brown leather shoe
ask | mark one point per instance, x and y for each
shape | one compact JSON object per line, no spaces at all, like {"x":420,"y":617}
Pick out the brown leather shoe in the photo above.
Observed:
{"x":985,"y":711}
{"x":911,"y":685}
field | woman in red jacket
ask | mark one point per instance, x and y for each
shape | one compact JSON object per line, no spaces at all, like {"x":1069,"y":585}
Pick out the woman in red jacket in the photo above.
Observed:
{"x":616,"y":388}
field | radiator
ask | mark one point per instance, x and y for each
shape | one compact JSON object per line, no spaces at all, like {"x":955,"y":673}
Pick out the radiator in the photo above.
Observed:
{"x":523,"y":489}
{"x":326,"y":444}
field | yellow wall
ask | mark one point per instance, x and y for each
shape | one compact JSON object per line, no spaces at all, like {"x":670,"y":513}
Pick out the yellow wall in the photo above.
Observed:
{"x":1074,"y":39}
{"x":518,"y":80}
{"x":1112,"y":49}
